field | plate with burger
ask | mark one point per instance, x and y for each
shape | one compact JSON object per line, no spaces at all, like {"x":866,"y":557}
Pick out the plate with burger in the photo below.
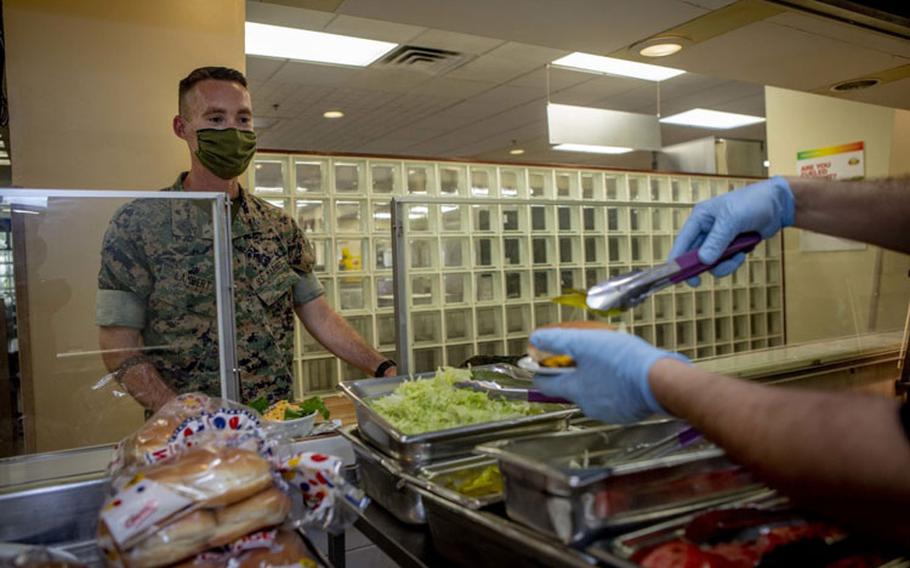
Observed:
{"x":547,"y":363}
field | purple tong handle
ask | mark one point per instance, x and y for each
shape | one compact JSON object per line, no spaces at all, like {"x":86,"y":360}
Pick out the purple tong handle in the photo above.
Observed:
{"x":690,"y":265}
{"x":537,"y":396}
{"x":688,"y":436}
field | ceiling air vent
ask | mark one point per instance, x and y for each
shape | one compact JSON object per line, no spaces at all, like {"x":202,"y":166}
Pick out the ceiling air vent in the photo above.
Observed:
{"x":855,"y":85}
{"x":423,"y":59}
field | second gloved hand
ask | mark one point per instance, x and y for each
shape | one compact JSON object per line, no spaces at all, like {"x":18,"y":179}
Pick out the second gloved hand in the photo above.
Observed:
{"x":766,"y":207}
{"x":610,"y":382}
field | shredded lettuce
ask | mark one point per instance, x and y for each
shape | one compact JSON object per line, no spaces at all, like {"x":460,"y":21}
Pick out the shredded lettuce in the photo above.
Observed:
{"x":428,"y":405}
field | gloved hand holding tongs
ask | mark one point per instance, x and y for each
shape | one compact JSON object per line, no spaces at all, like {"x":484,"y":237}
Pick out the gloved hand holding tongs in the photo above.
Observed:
{"x":610,"y":382}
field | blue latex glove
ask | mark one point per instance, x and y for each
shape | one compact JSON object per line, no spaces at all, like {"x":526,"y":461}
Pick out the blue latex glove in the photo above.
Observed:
{"x":766,"y":207}
{"x":611,"y":379}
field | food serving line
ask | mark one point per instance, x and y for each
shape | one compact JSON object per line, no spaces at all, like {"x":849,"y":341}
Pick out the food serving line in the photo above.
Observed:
{"x":540,"y":488}
{"x":559,"y":484}
{"x":570,"y":492}
{"x":546,"y":489}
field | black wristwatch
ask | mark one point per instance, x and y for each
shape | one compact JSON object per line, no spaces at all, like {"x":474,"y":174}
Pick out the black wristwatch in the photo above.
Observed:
{"x":383,"y":367}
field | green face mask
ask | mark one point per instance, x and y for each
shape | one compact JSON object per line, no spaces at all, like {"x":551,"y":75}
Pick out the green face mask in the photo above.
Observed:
{"x":226,"y":153}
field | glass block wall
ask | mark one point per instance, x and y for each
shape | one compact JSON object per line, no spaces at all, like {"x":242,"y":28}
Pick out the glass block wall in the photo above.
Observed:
{"x":481,"y":276}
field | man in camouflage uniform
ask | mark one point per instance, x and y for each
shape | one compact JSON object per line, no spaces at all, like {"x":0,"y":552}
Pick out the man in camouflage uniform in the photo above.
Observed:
{"x":156,"y":287}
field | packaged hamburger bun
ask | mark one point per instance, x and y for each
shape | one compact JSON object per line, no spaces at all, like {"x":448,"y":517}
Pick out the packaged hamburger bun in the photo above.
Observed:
{"x":281,"y":548}
{"x":214,"y":477}
{"x":177,"y":505}
{"x":264,"y":509}
{"x":202,"y":481}
{"x":287,"y":550}
{"x":153,"y":437}
{"x":181,"y":539}
{"x":556,"y":360}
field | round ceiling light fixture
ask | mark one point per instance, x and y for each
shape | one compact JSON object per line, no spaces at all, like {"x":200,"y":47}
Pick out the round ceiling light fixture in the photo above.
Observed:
{"x":855,"y":85}
{"x":516,"y":151}
{"x":661,"y":46}
{"x":333,"y":114}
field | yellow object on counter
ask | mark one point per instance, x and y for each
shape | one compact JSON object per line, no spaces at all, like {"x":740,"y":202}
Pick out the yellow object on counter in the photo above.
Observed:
{"x":276,"y":411}
{"x":487,"y":482}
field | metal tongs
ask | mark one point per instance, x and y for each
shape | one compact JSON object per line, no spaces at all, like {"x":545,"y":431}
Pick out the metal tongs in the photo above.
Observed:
{"x":507,"y":382}
{"x":626,"y":291}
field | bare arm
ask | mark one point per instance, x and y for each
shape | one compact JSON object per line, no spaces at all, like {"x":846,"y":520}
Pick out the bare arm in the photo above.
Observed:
{"x":337,"y":335}
{"x":842,"y":454}
{"x":872,"y":211}
{"x":141,"y":380}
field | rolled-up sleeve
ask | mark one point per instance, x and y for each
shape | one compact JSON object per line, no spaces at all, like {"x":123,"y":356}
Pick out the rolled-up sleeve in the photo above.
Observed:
{"x":302,"y":258}
{"x":119,"y":308}
{"x":124,"y":281}
{"x":307,"y":289}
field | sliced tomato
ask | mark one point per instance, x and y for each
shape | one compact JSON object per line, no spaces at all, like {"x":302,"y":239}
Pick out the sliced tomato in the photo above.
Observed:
{"x":680,"y":554}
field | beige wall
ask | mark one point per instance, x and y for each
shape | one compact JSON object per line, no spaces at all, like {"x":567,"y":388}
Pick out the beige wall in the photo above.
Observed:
{"x":830,"y":294}
{"x":92,"y":88}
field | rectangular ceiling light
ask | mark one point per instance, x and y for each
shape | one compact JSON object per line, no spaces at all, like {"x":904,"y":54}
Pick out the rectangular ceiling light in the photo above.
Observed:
{"x":588,"y":127}
{"x":599,"y":64}
{"x":592,"y":148}
{"x":318,"y":47}
{"x":705,"y":118}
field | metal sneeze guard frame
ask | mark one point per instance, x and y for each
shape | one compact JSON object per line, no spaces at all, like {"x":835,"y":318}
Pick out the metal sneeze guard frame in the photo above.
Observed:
{"x":224,"y":277}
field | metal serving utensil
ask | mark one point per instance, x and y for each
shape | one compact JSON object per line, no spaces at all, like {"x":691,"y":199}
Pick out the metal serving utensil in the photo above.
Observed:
{"x":628,"y":290}
{"x":673,"y":442}
{"x":496,"y":390}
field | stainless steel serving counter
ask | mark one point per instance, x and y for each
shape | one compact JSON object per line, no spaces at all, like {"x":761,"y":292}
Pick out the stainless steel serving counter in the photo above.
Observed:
{"x":54,"y":498}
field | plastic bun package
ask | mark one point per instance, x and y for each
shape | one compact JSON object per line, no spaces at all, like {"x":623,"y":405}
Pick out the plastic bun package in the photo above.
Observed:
{"x":200,"y":484}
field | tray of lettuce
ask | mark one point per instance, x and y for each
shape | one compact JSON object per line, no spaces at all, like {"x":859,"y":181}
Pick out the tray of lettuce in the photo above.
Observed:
{"x":426,"y":417}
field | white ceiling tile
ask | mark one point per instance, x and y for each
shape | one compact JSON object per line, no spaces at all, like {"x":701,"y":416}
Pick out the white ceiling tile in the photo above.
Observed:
{"x":442,"y":121}
{"x":527,"y":52}
{"x":262,"y":68}
{"x":493,"y":69}
{"x":558,"y":79}
{"x":597,"y":89}
{"x":312,"y":74}
{"x":712,"y":4}
{"x":596,"y":26}
{"x":386,"y":79}
{"x":772,"y":54}
{"x":841,"y":32}
{"x":373,"y":29}
{"x":509,"y":95}
{"x":477,"y":110}
{"x":391,"y":145}
{"x":451,"y":41}
{"x":895,"y":94}
{"x":450,"y":87}
{"x":288,"y":16}
{"x":471,"y":110}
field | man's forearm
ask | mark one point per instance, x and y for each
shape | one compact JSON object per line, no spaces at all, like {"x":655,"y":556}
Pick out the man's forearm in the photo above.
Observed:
{"x":337,"y":335}
{"x":843,"y":454}
{"x":121,"y":346}
{"x":872,"y":211}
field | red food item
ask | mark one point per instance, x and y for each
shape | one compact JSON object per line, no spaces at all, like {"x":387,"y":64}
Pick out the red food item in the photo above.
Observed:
{"x":645,"y":490}
{"x":722,"y":524}
{"x":688,"y":553}
{"x":681,"y":554}
{"x":737,"y":554}
{"x":777,"y":536}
